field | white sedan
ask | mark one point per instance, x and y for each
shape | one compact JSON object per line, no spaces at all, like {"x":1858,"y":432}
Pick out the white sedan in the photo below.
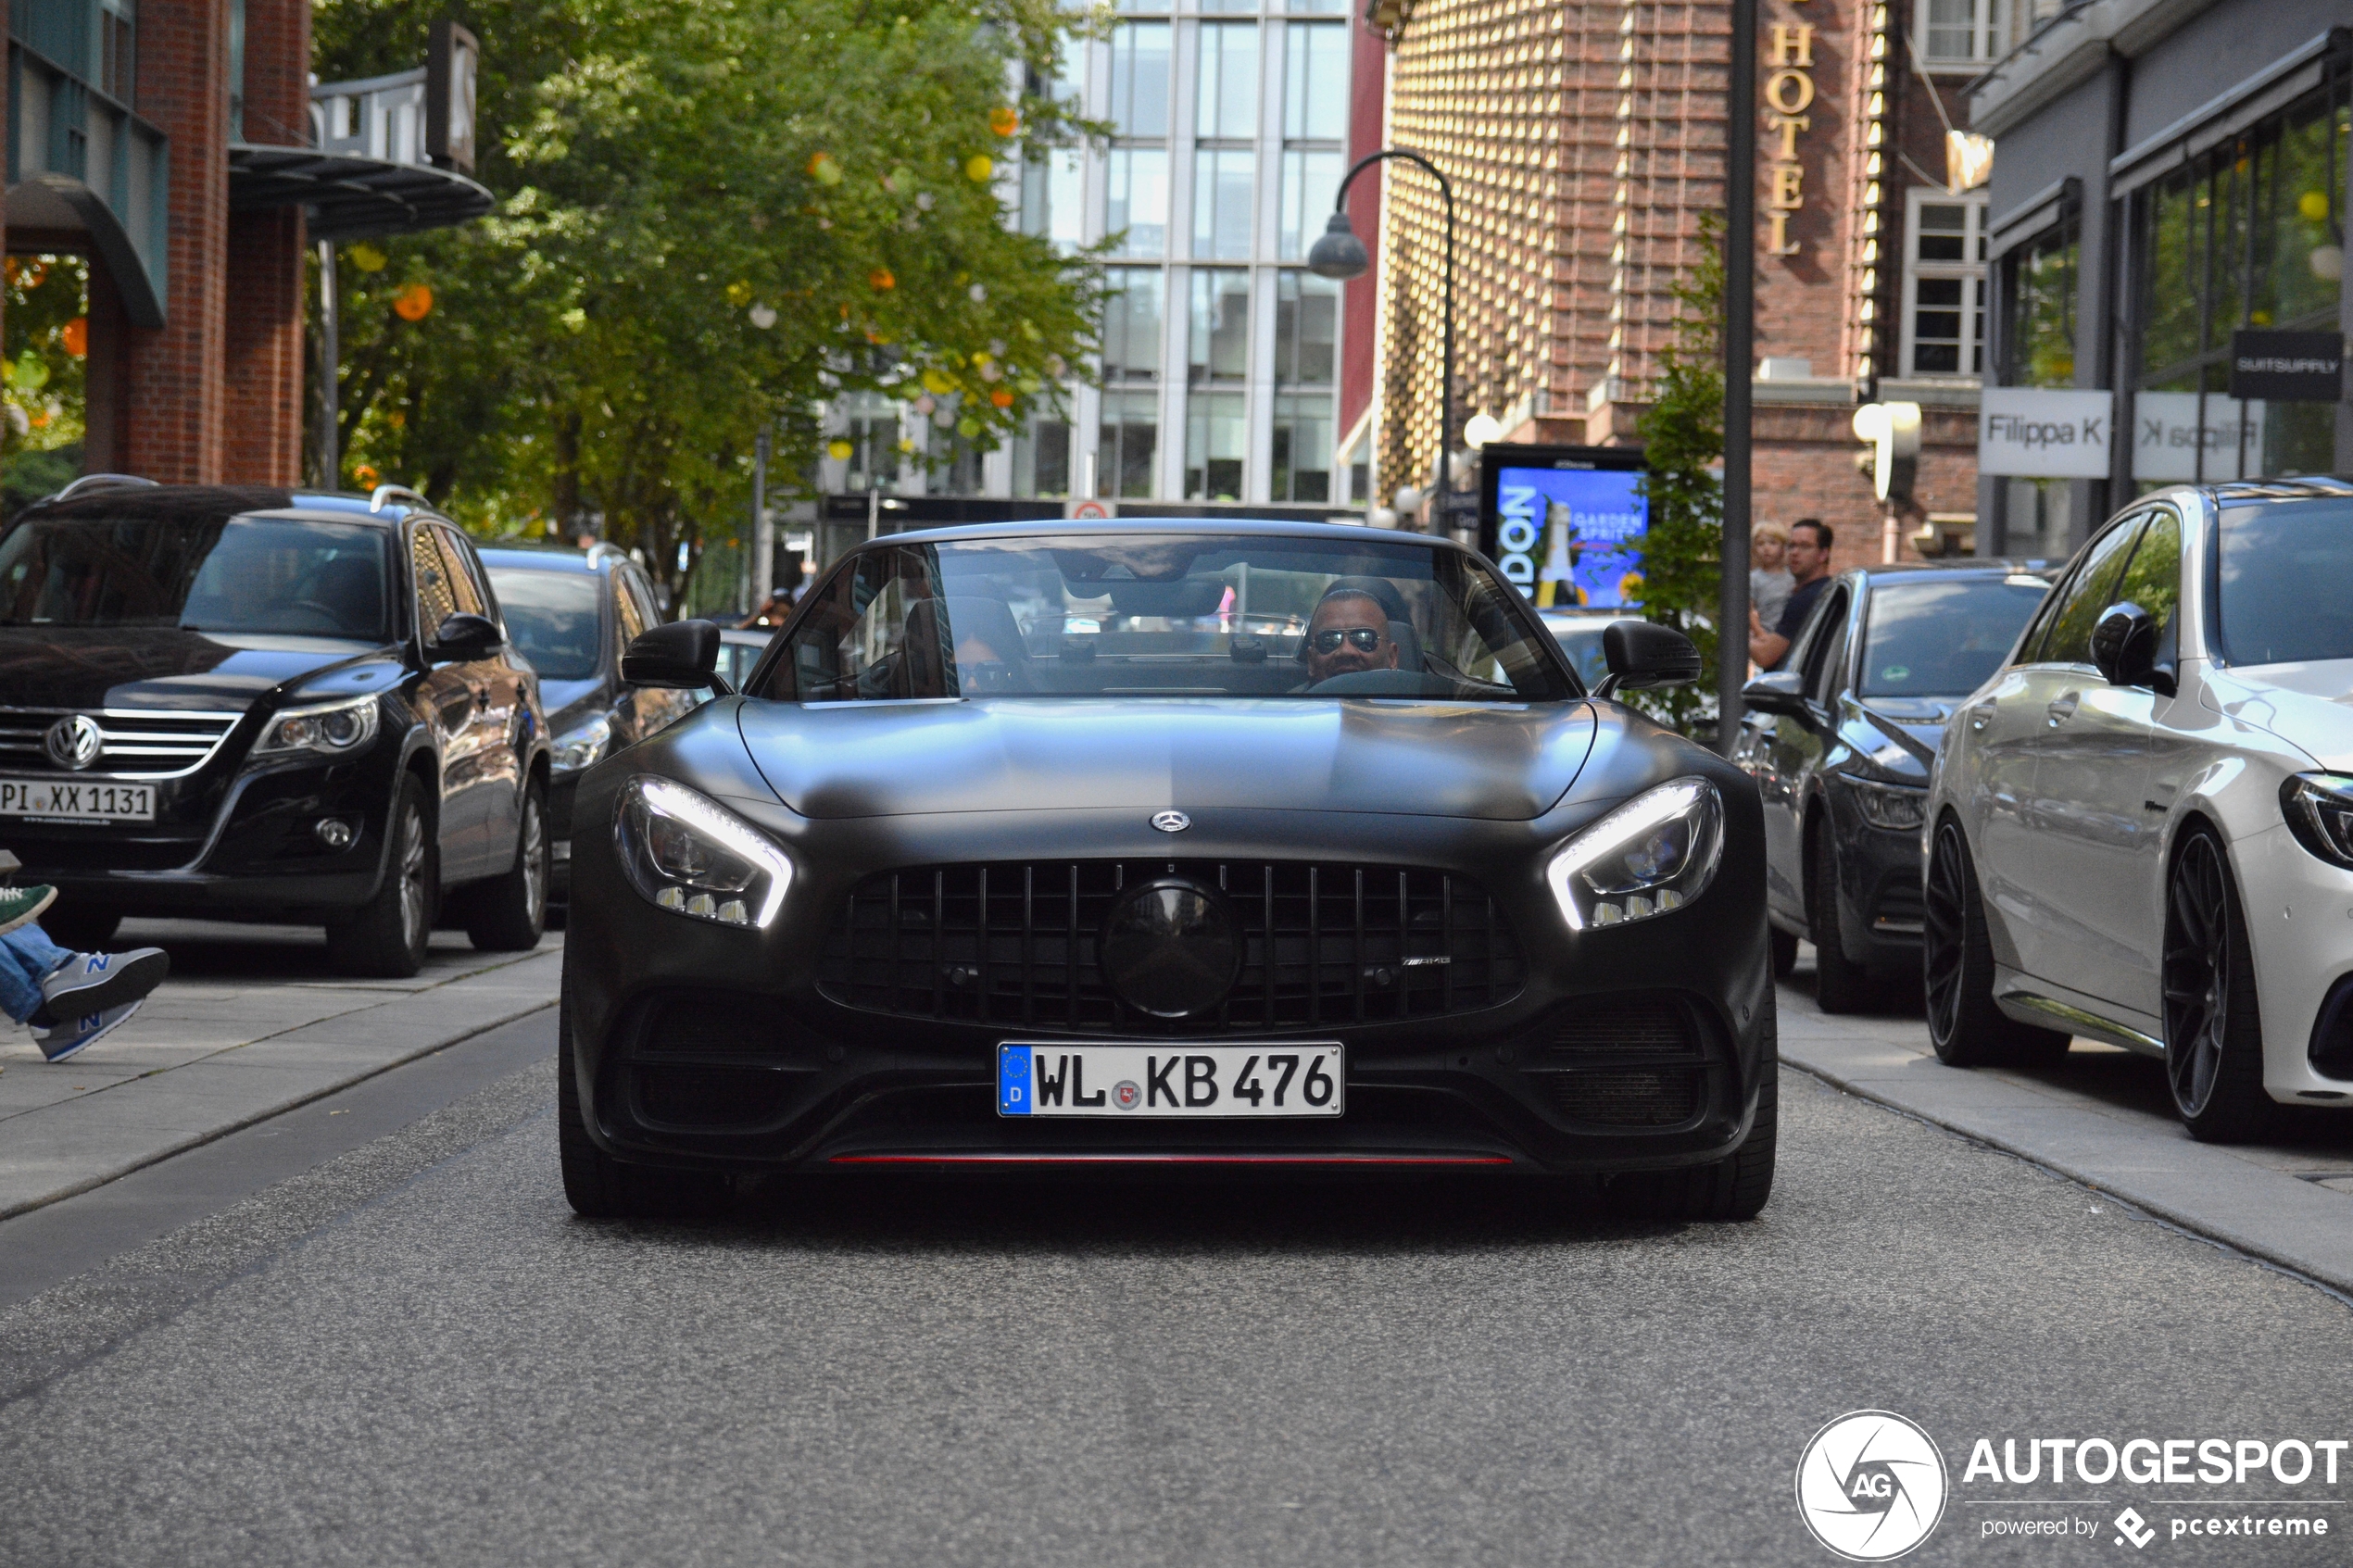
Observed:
{"x":2141,"y":829}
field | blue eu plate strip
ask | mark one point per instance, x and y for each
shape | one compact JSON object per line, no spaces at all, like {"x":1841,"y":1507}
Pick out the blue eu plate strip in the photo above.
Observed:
{"x":1013,"y":1080}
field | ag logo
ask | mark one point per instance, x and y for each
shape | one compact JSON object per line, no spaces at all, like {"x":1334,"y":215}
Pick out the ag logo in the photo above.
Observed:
{"x":1871,"y":1485}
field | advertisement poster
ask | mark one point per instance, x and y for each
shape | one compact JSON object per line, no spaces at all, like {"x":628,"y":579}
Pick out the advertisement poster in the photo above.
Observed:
{"x":1566,"y":525}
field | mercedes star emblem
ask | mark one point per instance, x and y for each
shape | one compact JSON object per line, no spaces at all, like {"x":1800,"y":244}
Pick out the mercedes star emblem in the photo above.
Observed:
{"x":75,"y":742}
{"x":1166,"y":822}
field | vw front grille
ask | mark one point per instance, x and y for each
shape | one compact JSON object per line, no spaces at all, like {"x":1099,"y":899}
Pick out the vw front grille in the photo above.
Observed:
{"x":136,"y":743}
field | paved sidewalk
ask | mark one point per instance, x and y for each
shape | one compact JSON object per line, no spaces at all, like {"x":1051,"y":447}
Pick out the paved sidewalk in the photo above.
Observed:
{"x":252,"y":1022}
{"x":2105,"y":1118}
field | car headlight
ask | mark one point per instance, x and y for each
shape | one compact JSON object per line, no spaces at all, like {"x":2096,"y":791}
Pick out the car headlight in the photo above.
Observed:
{"x":692,"y":856}
{"x":581,"y":745}
{"x":1899,"y":807}
{"x":1656,"y":853}
{"x":2319,"y":808}
{"x":332,"y":729}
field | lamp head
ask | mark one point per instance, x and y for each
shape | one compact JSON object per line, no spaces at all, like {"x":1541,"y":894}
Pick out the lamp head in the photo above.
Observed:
{"x":1339,"y":254}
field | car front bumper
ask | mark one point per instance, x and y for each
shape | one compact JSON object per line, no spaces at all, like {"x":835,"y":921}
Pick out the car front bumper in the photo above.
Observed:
{"x":693,"y":1044}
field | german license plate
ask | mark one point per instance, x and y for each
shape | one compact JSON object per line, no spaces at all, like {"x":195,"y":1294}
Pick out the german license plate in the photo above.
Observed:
{"x":77,"y":800}
{"x":1287,"y":1078}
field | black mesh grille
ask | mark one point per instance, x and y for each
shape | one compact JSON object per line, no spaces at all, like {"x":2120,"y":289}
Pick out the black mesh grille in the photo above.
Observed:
{"x":1015,"y":943}
{"x":1900,"y":906}
{"x":1639,"y":1023}
{"x":712,"y":1097}
{"x":1659,"y":1097}
{"x":709,"y":1024}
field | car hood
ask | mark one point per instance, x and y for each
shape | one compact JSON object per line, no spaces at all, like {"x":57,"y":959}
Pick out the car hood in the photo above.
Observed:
{"x":2309,"y":705}
{"x":1504,"y":762}
{"x":1914,"y":725}
{"x":159,"y":668}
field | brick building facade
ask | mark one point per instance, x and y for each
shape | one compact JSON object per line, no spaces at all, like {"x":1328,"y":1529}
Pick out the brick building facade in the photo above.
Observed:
{"x":194,"y":368}
{"x":1586,"y":142}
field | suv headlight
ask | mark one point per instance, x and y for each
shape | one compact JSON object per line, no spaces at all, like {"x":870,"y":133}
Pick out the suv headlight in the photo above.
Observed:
{"x":582,"y":745}
{"x":692,"y":856}
{"x":332,"y":729}
{"x":1899,"y":807}
{"x":2319,"y":808}
{"x":1656,"y":853}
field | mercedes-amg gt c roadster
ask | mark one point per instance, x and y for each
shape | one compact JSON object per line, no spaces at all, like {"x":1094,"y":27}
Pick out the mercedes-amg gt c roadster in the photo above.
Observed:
{"x":1162,"y":845}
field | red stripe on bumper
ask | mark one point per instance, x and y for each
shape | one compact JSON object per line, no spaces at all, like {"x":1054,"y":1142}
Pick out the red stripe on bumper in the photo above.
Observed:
{"x":1170,"y":1159}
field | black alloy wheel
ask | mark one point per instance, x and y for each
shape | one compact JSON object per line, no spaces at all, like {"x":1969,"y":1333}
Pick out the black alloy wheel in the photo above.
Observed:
{"x":2213,"y":1030}
{"x":509,"y":913}
{"x":1840,"y":985}
{"x":1957,"y":969}
{"x":386,"y":937}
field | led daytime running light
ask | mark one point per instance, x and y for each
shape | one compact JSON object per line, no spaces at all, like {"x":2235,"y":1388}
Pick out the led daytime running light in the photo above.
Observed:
{"x":718,"y":828}
{"x":1585,"y":903}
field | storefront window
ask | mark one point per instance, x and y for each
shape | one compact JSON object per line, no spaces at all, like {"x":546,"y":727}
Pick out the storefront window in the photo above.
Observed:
{"x":2039,"y":289}
{"x":2249,"y":234}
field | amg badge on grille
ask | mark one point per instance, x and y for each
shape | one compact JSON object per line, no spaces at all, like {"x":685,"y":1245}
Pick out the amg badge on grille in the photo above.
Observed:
{"x":1172,"y":822}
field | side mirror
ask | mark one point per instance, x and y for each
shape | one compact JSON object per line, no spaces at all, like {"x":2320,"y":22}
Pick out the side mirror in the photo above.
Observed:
{"x":683,"y":655}
{"x":464,"y":636}
{"x":2124,"y":648}
{"x":1642,"y":654}
{"x":1776,"y":690}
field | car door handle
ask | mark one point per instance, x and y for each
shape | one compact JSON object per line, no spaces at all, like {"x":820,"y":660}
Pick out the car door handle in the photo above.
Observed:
{"x":2063,"y":706}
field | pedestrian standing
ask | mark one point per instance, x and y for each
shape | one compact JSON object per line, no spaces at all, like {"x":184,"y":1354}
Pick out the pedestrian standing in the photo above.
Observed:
{"x":1809,"y":554}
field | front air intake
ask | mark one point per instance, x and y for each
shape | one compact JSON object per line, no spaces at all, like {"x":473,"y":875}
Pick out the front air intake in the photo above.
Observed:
{"x":1628,"y":1059}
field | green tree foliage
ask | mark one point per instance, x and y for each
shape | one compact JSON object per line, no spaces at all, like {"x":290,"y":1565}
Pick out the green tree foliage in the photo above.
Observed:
{"x":47,"y":314}
{"x":1683,"y":449}
{"x":710,"y":218}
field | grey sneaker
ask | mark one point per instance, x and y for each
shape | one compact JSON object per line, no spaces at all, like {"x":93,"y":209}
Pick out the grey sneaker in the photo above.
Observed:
{"x":95,"y":982}
{"x":75,"y":1034}
{"x":20,"y":906}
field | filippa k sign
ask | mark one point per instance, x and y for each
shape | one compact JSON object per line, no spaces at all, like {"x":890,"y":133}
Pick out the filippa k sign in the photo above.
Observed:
{"x":2036,"y":433}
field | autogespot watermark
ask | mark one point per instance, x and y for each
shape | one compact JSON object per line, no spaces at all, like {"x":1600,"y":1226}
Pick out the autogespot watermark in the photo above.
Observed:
{"x":1873,"y":1484}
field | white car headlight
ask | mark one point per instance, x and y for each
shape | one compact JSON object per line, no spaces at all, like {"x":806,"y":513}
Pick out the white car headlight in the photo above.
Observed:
{"x":332,"y":729}
{"x":693,"y":857}
{"x":1656,"y":853}
{"x":581,"y":745}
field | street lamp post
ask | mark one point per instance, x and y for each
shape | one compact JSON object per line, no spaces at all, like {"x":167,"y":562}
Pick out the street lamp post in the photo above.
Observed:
{"x":1740,"y":337}
{"x":1340,"y":255}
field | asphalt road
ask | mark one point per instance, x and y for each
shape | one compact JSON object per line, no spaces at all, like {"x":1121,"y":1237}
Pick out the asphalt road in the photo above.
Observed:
{"x":413,"y":1353}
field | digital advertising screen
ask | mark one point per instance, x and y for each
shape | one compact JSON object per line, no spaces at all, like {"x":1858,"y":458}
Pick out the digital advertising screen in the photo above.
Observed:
{"x":1565,"y":523}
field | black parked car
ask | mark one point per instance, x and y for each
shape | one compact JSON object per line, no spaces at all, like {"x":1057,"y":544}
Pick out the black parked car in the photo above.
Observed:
{"x":1840,"y":741}
{"x":254,"y":704}
{"x":1042,"y":845}
{"x":571,"y":614}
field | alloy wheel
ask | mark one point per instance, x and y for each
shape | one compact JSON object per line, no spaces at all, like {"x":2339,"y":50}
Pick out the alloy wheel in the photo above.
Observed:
{"x":413,"y":914}
{"x":2196,"y":974}
{"x":1943,"y":932}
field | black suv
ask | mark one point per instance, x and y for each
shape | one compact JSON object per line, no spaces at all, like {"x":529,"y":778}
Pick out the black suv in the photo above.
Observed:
{"x":253,"y":704}
{"x":571,"y":614}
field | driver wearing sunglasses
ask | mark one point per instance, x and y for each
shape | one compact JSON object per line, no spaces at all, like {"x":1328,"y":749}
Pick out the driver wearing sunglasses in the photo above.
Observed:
{"x":1348,"y":632}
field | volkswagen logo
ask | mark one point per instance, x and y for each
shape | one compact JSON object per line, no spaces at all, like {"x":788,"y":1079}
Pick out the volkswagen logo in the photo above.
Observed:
{"x":75,"y":742}
{"x":1166,"y":822}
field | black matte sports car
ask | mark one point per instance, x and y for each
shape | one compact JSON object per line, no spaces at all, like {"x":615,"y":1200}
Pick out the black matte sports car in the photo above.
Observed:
{"x":1166,"y":844}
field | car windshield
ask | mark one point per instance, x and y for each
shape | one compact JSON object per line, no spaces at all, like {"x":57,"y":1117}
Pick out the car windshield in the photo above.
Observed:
{"x":553,"y":618}
{"x":202,"y":573}
{"x":1167,"y":615}
{"x":1944,"y":638}
{"x":2281,"y":599}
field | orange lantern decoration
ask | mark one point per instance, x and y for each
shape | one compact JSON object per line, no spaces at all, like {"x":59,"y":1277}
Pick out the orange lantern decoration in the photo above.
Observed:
{"x":881,"y":279}
{"x":365,"y":475}
{"x":413,"y":303}
{"x":75,"y":335}
{"x":1003,"y":120}
{"x":1001,"y":397}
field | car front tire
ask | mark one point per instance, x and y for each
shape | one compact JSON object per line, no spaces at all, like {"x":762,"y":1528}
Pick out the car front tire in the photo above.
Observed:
{"x":1956,"y":969}
{"x":509,"y":914}
{"x":386,"y":937}
{"x":601,"y":1188}
{"x":2213,"y":1029}
{"x":1840,"y":983}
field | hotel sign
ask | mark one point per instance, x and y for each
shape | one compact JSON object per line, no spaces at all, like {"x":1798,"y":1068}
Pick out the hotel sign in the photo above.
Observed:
{"x":1788,"y":93}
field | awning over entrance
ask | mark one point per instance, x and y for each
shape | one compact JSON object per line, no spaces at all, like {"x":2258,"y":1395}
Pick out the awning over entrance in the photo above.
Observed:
{"x":352,"y":197}
{"x":54,"y":209}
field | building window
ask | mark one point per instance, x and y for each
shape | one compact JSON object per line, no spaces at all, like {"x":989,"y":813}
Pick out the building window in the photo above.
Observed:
{"x":1131,"y":325}
{"x":1218,"y":337}
{"x":1216,"y":444}
{"x":873,"y":441}
{"x":1224,"y":185}
{"x":1314,"y":131}
{"x":1139,"y":79}
{"x":1053,"y":197}
{"x":2248,"y":235}
{"x":1041,"y":458}
{"x":1944,"y":285}
{"x":1227,"y":105}
{"x":1306,"y":343}
{"x":2038,"y":310}
{"x":1128,"y":445}
{"x":118,"y":54}
{"x":1137,"y":203}
{"x":1961,"y":32}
